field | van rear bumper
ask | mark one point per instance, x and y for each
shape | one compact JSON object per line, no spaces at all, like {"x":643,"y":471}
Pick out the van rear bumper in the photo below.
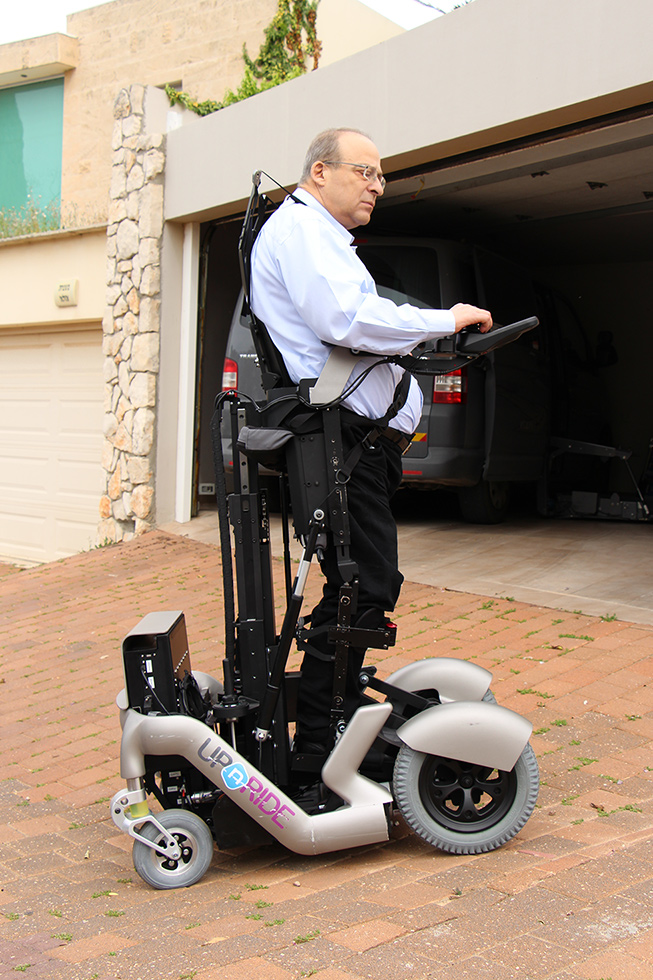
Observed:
{"x":444,"y":467}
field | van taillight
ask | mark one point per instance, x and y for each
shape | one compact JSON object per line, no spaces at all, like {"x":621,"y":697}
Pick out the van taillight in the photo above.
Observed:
{"x":450,"y":389}
{"x":229,"y":375}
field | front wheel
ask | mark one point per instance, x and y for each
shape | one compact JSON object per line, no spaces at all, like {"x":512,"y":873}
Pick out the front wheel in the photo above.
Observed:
{"x":464,"y":808}
{"x":196,"y":845}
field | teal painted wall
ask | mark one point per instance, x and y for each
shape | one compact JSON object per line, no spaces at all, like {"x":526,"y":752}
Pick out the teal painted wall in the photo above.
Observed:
{"x":31,"y":133}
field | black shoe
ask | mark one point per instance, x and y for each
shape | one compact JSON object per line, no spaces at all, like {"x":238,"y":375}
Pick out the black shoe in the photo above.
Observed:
{"x":302,"y":746}
{"x":307,"y":757}
{"x":315,"y":798}
{"x":310,"y":798}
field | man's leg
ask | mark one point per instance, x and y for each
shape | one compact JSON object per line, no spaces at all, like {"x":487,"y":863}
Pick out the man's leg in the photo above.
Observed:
{"x":373,"y":547}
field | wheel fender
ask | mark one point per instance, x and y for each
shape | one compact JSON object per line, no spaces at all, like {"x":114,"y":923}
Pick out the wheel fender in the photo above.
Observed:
{"x":455,"y":680}
{"x":478,"y":732}
{"x":207,"y":684}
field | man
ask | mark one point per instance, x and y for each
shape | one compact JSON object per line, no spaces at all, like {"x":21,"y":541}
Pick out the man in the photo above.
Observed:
{"x":313,"y":292}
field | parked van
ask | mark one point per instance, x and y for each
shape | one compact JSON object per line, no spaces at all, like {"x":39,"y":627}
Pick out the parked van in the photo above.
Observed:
{"x":488,"y":425}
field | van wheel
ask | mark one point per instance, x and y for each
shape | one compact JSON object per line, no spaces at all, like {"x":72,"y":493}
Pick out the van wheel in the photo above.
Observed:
{"x":485,"y":503}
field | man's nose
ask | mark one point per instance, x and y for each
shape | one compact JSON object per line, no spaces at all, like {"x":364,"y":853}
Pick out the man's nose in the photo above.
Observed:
{"x":377,"y":186}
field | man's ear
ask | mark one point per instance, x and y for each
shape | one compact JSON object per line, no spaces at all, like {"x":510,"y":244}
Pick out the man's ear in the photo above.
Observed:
{"x":318,"y":173}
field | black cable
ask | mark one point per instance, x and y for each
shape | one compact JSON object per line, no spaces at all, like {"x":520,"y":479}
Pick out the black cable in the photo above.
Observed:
{"x":153,"y":692}
{"x":289,"y":193}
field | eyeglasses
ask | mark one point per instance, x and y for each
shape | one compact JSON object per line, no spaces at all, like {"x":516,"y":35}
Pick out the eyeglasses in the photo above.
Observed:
{"x":370,"y":174}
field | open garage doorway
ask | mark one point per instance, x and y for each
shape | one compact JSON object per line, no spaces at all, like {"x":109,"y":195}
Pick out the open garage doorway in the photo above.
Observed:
{"x":574,"y":207}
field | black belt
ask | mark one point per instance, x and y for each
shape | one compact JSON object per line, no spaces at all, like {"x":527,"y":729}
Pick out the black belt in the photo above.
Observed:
{"x":392,"y":435}
{"x":400,"y":438}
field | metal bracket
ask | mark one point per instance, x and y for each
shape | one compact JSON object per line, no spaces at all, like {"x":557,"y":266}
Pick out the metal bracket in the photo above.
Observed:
{"x":120,"y":805}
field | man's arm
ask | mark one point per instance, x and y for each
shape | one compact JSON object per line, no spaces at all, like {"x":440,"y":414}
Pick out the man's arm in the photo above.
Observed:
{"x":333,"y":294}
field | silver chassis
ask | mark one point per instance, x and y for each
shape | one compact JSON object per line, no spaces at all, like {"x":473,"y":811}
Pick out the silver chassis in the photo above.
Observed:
{"x":463,"y":727}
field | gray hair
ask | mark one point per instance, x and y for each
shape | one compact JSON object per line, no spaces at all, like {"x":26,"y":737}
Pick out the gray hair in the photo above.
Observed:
{"x":325,"y":146}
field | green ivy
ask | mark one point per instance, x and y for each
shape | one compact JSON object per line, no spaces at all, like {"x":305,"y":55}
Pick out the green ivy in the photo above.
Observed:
{"x":290,"y":40}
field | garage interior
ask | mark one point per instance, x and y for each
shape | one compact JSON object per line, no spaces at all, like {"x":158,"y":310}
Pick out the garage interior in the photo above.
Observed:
{"x":574,"y":206}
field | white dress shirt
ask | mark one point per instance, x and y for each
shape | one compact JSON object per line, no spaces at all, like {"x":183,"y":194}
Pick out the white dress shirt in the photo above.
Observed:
{"x":312,"y":292}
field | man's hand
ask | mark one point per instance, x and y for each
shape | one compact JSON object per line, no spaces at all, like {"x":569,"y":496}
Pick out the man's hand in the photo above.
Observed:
{"x":469,"y":316}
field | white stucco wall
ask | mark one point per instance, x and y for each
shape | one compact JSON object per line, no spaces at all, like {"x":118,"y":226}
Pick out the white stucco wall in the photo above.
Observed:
{"x":31,"y":268}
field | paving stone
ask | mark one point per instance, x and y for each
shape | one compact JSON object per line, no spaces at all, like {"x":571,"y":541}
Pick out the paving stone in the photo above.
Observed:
{"x":532,"y":957}
{"x":250,"y":969}
{"x":389,"y":960}
{"x":340,"y":908}
{"x":80,"y":951}
{"x":641,"y":948}
{"x":616,"y":964}
{"x":596,"y":928}
{"x":366,"y":936}
{"x":474,"y":968}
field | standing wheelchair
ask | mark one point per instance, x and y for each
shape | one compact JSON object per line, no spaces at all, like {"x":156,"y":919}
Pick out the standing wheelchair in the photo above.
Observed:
{"x":218,"y":755}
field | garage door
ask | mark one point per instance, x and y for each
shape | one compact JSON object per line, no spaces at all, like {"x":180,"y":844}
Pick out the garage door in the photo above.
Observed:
{"x":51,"y":396}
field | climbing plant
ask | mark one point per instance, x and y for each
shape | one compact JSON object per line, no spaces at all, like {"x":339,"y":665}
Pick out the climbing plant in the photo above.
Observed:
{"x":290,"y":41}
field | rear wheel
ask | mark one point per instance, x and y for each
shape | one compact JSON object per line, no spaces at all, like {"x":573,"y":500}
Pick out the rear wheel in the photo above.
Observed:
{"x":195,"y":843}
{"x":464,"y":808}
{"x":485,"y":503}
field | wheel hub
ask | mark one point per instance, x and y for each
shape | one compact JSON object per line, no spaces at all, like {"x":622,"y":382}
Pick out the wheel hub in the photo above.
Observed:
{"x":179,"y":861}
{"x":463,"y":796}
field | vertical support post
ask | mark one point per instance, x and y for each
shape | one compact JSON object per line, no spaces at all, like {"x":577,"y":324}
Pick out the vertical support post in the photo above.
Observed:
{"x":187,"y":373}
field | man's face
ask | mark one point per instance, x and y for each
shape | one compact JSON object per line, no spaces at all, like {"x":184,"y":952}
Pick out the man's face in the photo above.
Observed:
{"x":343,"y":190}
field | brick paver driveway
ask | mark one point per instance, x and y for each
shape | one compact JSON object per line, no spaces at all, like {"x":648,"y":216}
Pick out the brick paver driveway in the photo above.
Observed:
{"x":570,"y":897}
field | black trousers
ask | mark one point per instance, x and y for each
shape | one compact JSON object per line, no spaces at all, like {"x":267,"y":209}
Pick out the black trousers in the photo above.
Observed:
{"x":373,"y":547}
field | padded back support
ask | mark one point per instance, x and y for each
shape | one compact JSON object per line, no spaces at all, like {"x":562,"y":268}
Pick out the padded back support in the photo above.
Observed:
{"x":273,"y":369}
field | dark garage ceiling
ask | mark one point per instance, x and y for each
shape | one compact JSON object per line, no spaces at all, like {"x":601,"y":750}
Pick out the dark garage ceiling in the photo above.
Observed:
{"x":573,"y":198}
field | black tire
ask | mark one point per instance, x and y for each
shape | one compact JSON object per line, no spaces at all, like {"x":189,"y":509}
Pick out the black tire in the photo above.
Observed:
{"x":463,"y":808}
{"x":195,"y":840}
{"x":485,"y":503}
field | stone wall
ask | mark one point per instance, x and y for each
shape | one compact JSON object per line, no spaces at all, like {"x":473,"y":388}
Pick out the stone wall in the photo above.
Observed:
{"x":131,"y":321}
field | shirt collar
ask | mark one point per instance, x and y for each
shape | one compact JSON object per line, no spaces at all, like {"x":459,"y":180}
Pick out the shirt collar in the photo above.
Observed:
{"x":306,"y":198}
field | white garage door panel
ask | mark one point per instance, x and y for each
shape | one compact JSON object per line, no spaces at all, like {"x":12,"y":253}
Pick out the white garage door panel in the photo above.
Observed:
{"x":22,"y":535}
{"x":21,"y":416}
{"x":72,"y":474}
{"x":79,"y":418}
{"x":50,"y":442}
{"x":77,"y":481}
{"x":50,"y":427}
{"x":72,"y":535}
{"x":23,"y":478}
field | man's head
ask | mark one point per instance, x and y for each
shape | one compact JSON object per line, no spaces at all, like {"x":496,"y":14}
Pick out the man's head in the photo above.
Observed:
{"x":334,"y":174}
